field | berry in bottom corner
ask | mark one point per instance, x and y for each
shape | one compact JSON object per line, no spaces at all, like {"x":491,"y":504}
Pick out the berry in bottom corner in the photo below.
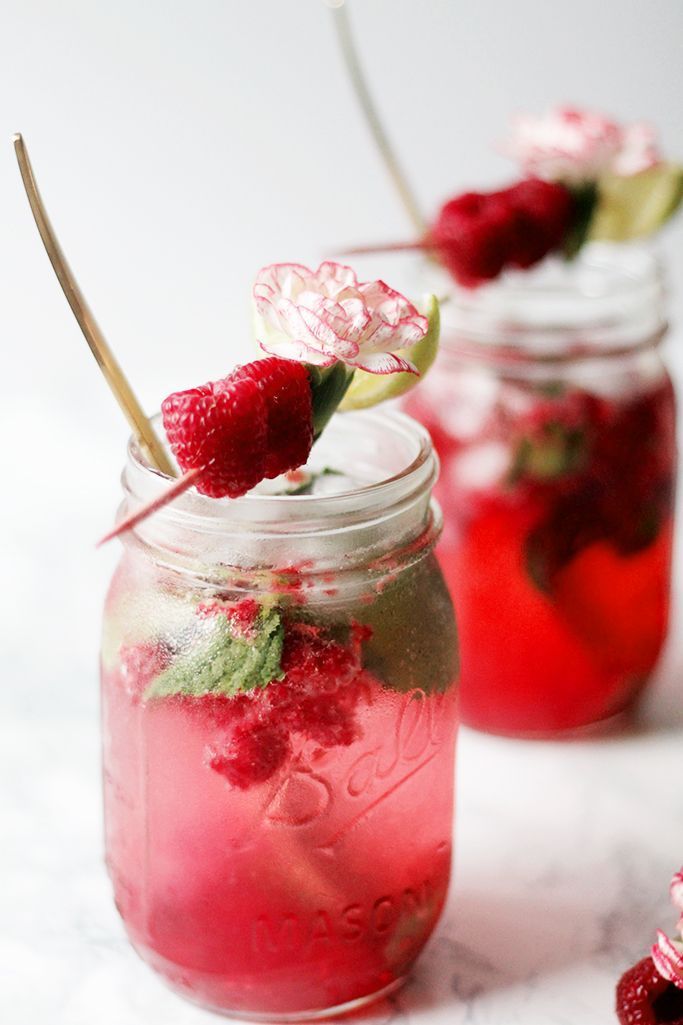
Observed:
{"x":645,"y":998}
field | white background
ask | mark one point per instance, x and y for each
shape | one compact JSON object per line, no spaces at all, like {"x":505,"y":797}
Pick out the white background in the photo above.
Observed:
{"x":179,"y":146}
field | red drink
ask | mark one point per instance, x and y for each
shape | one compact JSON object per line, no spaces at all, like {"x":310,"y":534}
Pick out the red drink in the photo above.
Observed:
{"x":556,"y":484}
{"x":271,"y":851}
{"x":296,"y":893}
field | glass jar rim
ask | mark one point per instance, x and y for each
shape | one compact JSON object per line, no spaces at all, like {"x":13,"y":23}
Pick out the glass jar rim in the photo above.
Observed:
{"x":388,"y":511}
{"x":607,"y":302}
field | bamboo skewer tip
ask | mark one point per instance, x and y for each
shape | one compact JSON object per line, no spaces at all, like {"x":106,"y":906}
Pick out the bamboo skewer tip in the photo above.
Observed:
{"x":112,"y":372}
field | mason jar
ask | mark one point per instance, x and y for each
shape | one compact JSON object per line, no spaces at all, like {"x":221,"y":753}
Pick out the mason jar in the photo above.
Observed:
{"x":279,"y":713}
{"x":553,"y":415}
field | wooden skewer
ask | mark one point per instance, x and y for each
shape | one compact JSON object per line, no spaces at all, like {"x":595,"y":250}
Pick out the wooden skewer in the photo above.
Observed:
{"x":116,"y":379}
{"x":177,"y":488}
{"x":386,"y":247}
{"x":386,"y":151}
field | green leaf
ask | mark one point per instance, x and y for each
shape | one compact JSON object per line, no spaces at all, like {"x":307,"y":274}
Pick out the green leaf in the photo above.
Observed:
{"x":223,"y":659}
{"x":585,"y":198}
{"x":328,"y":388}
{"x":555,"y":451}
{"x":414,"y":640}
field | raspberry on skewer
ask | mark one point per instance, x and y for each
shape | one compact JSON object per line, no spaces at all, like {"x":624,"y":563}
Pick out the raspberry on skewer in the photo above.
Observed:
{"x":477,"y":235}
{"x":321,"y":329}
{"x":228,"y":435}
{"x":219,"y":429}
{"x":287,"y":392}
{"x":586,"y":178}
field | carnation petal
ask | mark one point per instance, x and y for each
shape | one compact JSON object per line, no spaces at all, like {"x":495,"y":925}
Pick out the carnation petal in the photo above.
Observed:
{"x":297,"y":350}
{"x":326,"y":315}
{"x":386,"y":336}
{"x":327,"y":327}
{"x":384,"y":363}
{"x":667,"y":956}
{"x":334,"y":278}
{"x":386,"y":301}
{"x":291,"y":324}
{"x":356,"y":315}
{"x":639,"y":150}
{"x":285,"y":279}
{"x":574,"y":145}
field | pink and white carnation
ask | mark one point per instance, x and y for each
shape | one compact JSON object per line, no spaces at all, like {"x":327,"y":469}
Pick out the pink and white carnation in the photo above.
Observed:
{"x":667,"y":954}
{"x":576,"y":146}
{"x":639,"y":149}
{"x":326,"y":316}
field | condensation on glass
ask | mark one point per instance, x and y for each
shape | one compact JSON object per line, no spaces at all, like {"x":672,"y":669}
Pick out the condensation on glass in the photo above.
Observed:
{"x":553,"y":415}
{"x":284,"y":851}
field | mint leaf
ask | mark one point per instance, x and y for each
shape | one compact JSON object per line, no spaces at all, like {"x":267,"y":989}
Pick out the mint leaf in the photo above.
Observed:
{"x":223,"y":659}
{"x":414,"y":641}
{"x":328,"y":388}
{"x":585,"y":201}
{"x":554,"y":451}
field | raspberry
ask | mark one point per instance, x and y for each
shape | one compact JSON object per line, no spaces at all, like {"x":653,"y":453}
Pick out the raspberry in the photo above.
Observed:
{"x":286,"y":388}
{"x":472,"y":235}
{"x":543,"y":213}
{"x":251,"y":754}
{"x":633,"y":457}
{"x":313,"y":662}
{"x":242,"y":615}
{"x":317,"y":699}
{"x":322,"y":686}
{"x":255,"y":423}
{"x":217,"y":711}
{"x":329,"y":721}
{"x":645,"y":998}
{"x":220,"y":428}
{"x":623,"y":492}
{"x":478,"y":234}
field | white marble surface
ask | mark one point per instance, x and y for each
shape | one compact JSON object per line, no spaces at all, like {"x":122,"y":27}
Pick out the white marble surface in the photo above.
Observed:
{"x":564,"y":853}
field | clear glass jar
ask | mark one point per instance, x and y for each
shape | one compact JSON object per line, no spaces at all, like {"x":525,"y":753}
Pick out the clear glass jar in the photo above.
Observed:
{"x":553,"y":416}
{"x":284,"y":851}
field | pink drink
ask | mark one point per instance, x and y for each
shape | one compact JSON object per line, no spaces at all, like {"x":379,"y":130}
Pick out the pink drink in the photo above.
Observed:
{"x":302,"y":892}
{"x":273,"y":852}
{"x":554,"y":419}
{"x":560,"y":573}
